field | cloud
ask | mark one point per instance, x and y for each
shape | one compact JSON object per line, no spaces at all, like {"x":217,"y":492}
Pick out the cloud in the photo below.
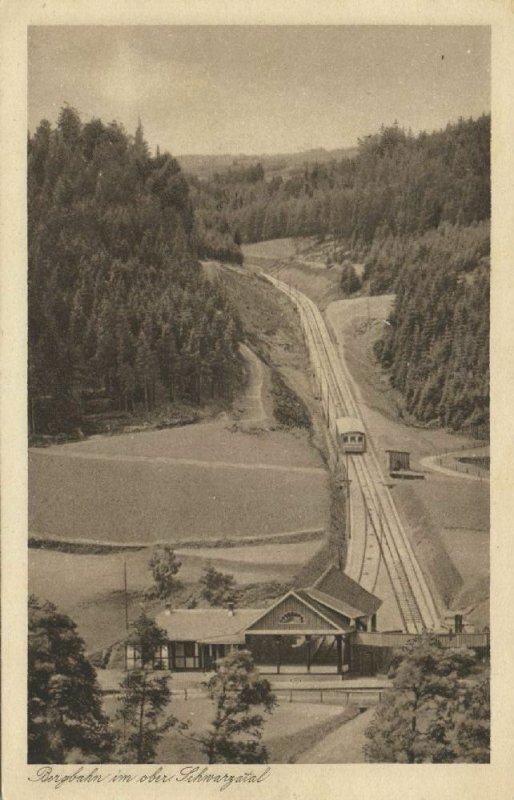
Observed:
{"x":137,"y":80}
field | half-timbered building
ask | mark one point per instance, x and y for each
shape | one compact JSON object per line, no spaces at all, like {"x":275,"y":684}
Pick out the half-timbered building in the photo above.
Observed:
{"x":309,"y":629}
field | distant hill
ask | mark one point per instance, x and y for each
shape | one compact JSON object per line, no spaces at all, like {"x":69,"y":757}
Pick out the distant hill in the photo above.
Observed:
{"x":414,"y":210}
{"x":205,"y":165}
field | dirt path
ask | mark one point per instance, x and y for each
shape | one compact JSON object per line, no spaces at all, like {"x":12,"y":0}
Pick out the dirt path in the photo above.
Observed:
{"x":62,"y":453}
{"x":342,"y":746}
{"x":431,"y":463}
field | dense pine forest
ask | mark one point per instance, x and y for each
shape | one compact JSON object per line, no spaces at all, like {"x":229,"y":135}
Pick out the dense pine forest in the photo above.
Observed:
{"x":437,"y":346}
{"x":119,"y":310}
{"x":415,"y":211}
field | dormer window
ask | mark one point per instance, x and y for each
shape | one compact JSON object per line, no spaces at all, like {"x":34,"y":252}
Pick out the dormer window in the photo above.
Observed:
{"x":292,"y":618}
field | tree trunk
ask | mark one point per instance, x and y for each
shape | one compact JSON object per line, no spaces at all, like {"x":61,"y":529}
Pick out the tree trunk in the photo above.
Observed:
{"x":141,"y":723}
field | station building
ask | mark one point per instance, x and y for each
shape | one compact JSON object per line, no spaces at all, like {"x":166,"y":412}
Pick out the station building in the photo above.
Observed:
{"x":307,"y":629}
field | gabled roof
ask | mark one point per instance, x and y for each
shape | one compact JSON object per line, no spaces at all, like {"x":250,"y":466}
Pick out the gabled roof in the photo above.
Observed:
{"x":331,"y":621}
{"x":341,"y":587}
{"x":334,"y":603}
{"x":340,"y":620}
{"x":214,"y":625}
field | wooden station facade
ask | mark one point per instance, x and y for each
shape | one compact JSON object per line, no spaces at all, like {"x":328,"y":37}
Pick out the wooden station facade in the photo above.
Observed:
{"x":306,"y":630}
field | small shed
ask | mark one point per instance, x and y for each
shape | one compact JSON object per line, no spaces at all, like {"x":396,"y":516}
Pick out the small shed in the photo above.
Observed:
{"x":399,"y":465}
{"x":398,"y":459}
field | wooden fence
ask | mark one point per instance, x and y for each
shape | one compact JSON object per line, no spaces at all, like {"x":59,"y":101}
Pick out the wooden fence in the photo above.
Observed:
{"x":378,"y":639}
{"x":362,"y":696}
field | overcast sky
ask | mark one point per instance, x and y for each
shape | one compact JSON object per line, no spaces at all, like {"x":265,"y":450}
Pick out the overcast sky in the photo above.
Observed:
{"x":260,"y":89}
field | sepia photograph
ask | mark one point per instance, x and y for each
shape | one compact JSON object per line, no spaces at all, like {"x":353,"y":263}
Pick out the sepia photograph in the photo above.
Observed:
{"x":258,"y":395}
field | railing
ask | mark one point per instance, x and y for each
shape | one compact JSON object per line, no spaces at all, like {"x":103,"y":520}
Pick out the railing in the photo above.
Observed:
{"x":378,"y":639}
{"x":362,"y":696}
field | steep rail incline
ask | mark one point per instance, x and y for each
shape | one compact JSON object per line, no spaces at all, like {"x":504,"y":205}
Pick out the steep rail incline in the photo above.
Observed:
{"x":412,"y":594}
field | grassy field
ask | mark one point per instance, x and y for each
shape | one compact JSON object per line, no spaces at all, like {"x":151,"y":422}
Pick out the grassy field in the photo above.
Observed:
{"x":90,"y":587}
{"x":211,"y":442}
{"x":112,"y":490}
{"x":301,"y":262}
{"x":274,"y":249}
{"x":211,"y":484}
{"x":288,"y":731}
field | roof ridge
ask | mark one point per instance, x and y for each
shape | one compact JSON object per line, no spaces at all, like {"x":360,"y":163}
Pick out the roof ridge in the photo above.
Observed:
{"x":350,"y":611}
{"x":313,"y":600}
{"x":322,"y":576}
{"x":237,"y":609}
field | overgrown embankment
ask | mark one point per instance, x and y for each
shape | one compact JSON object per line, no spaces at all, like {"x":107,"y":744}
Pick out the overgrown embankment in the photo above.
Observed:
{"x":272,"y":329}
{"x":290,"y":411}
{"x":334,"y":550}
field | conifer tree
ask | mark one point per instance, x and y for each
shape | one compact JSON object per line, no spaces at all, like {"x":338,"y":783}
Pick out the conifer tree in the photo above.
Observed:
{"x":240,"y":695}
{"x":65,"y":717}
{"x":416,"y":720}
{"x":145,"y":696}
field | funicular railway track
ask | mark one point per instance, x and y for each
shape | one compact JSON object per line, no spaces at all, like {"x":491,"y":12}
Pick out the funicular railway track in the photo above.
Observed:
{"x":412,"y":594}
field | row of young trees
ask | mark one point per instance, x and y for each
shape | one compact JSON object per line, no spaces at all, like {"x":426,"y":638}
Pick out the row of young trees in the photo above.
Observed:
{"x":118,"y":303}
{"x":66,"y":721}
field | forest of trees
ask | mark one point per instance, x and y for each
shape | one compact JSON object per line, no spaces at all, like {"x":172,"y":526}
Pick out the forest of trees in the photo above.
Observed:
{"x":415,"y":210}
{"x":118,"y":304}
{"x":397,"y":184}
{"x":119,"y":307}
{"x":437,"y":346}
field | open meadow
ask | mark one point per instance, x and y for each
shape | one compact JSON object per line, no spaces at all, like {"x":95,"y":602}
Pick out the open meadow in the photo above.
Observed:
{"x":299,"y":262}
{"x":289,"y":731}
{"x":251,"y":501}
{"x":200,"y":482}
{"x":90,"y":587}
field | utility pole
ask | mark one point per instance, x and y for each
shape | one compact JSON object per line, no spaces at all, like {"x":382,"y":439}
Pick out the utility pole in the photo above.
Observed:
{"x":380,"y":514}
{"x":365,"y":507}
{"x":348,"y":497}
{"x":348,"y":515}
{"x":125,"y":592}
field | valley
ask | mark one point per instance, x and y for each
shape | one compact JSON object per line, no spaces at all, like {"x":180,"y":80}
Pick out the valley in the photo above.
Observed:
{"x":242,"y":493}
{"x":258,"y":413}
{"x":446,"y":515}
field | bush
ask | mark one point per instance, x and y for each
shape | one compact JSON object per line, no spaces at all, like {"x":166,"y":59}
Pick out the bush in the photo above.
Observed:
{"x":217,"y":588}
{"x":350,"y":281}
{"x":289,"y":410}
{"x":164,"y":565}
